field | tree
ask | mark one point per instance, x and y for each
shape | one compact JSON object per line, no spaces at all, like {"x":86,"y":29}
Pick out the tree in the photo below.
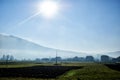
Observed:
{"x":11,"y":58}
{"x":105,"y":58}
{"x":89,"y":58}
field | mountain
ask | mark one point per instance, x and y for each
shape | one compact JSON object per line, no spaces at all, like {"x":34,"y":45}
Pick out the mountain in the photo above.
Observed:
{"x":12,"y":42}
{"x":21,"y":48}
{"x":114,"y":54}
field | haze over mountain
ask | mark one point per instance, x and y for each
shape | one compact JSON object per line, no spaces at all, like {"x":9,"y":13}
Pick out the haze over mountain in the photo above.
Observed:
{"x":114,"y":54}
{"x":21,"y":48}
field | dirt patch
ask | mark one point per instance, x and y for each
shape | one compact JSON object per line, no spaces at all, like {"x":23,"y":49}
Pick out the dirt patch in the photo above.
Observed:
{"x":36,"y":71}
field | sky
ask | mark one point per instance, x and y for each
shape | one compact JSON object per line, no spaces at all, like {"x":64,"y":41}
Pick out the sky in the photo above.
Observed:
{"x":90,"y":26}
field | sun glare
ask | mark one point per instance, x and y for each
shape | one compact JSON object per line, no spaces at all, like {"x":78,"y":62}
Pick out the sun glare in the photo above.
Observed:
{"x":48,"y":8}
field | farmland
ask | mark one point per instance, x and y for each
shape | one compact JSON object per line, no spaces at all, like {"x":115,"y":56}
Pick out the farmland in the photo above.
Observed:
{"x":65,"y":71}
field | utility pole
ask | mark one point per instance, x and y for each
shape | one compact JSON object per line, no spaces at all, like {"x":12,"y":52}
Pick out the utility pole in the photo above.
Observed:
{"x":56,"y":57}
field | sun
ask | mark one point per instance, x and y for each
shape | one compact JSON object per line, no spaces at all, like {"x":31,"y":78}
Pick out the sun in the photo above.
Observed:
{"x":48,"y":8}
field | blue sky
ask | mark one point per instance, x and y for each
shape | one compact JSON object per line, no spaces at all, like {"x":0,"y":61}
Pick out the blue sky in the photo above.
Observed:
{"x":80,"y":25}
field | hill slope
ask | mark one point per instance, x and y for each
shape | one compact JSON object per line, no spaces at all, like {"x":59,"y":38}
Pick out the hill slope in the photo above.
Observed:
{"x":21,"y":48}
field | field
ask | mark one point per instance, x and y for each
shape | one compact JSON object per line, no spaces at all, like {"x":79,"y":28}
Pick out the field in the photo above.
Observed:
{"x":65,"y":71}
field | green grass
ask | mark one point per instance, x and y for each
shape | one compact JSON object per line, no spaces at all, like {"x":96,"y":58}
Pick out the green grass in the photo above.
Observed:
{"x":24,"y":65}
{"x":90,"y":71}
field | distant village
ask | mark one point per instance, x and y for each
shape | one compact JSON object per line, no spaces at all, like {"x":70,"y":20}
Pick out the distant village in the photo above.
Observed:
{"x":103,"y":59}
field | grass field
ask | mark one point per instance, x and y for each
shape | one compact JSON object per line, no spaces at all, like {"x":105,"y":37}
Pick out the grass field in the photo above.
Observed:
{"x":90,"y":71}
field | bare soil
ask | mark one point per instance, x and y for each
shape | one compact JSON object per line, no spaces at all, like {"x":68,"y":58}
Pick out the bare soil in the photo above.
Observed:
{"x":36,"y":71}
{"x":114,"y":66}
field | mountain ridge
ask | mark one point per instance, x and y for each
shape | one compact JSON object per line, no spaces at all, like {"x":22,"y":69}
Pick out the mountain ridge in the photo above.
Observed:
{"x":15,"y":45}
{"x":20,"y":47}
